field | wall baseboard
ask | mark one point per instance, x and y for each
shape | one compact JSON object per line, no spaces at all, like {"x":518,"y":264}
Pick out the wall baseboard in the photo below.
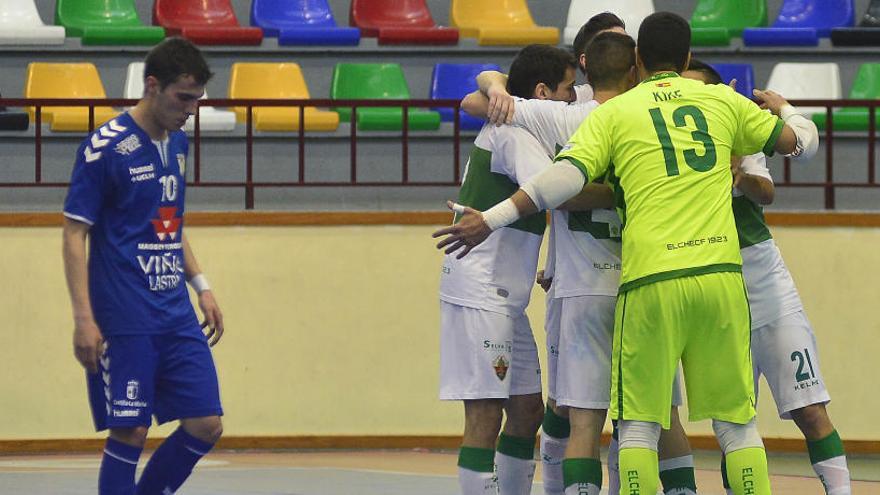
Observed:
{"x":324,"y":218}
{"x":74,"y":445}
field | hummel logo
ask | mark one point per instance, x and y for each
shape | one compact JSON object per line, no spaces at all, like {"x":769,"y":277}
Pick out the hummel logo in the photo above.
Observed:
{"x":116,"y":127}
{"x":90,"y":155}
{"x":98,"y":142}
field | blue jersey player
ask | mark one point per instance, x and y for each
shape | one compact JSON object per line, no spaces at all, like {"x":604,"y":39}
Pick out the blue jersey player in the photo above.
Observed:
{"x":135,"y":330}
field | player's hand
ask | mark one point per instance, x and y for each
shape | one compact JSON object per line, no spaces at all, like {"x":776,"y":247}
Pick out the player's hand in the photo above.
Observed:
{"x":770,"y":100}
{"x":732,"y":84}
{"x":213,"y":317}
{"x":467,"y":233}
{"x":88,"y":344}
{"x":736,"y":169}
{"x":500,"y":105}
{"x":542,"y":281}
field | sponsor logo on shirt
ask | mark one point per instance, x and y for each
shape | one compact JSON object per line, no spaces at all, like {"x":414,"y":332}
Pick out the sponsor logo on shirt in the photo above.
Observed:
{"x":142,"y":173}
{"x":126,"y":413}
{"x":167,"y":224}
{"x":164,"y":272}
{"x":128,"y":145}
{"x":506,"y":346}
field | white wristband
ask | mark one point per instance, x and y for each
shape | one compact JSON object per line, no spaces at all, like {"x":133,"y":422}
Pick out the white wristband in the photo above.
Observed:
{"x":501,"y":215}
{"x":804,"y":129}
{"x":199,"y":283}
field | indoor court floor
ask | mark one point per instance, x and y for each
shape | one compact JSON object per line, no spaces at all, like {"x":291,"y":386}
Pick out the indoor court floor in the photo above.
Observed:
{"x":396,"y":472}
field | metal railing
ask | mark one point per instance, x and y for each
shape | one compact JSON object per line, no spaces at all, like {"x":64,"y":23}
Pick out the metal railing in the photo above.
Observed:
{"x":249,"y":184}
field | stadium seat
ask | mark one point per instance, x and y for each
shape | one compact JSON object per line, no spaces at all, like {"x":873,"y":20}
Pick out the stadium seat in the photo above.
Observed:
{"x":301,"y":22}
{"x":210,"y":119}
{"x":743,"y":73}
{"x":12,"y":120}
{"x":396,"y":22}
{"x":865,"y":87}
{"x":454,"y":81}
{"x":802,"y":23}
{"x":866,"y":34}
{"x":204,"y":22}
{"x":630,"y":11}
{"x":378,"y":81}
{"x":20,"y":24}
{"x":105,"y":22}
{"x":797,"y":81}
{"x":277,"y":80}
{"x":715,"y":22}
{"x":499,"y":22}
{"x":74,"y":80}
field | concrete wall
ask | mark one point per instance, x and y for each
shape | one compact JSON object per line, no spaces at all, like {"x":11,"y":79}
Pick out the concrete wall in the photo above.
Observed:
{"x":333,"y":331}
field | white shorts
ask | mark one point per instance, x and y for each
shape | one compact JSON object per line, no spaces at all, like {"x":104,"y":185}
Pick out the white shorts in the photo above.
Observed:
{"x":784,"y":351}
{"x":551,"y":328}
{"x":583,"y":342}
{"x":486,"y":355}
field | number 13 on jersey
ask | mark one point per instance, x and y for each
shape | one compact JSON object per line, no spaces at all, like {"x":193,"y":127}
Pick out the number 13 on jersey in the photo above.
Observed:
{"x":699,"y":160}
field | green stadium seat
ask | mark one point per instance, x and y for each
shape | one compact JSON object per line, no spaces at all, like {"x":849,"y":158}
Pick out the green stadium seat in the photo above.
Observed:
{"x":715,"y":22}
{"x":378,"y":81}
{"x":105,"y":22}
{"x":865,"y":87}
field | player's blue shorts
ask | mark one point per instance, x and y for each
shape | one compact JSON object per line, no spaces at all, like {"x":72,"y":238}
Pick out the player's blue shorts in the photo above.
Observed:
{"x":171,"y":376}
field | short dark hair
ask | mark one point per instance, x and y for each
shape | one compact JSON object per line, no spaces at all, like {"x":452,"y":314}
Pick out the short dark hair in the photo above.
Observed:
{"x":174,"y":58}
{"x":538,"y":64}
{"x":611,"y":56}
{"x":709,"y":73}
{"x":597,"y":23}
{"x":664,"y":42}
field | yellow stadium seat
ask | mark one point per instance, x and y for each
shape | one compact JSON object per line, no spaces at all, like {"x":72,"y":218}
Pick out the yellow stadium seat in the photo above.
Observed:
{"x":76,"y":80}
{"x":499,"y":22}
{"x":277,"y":80}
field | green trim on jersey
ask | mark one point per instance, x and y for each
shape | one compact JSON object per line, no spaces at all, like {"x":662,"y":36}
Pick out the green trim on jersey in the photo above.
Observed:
{"x":660,"y":75}
{"x":751,"y":228}
{"x":577,"y":163}
{"x":774,"y":136}
{"x":684,"y":272}
{"x":619,"y":197}
{"x":483,"y":189}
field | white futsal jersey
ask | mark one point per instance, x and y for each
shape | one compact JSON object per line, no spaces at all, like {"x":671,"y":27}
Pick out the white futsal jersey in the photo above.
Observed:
{"x":772,"y":293}
{"x":583,"y":93}
{"x":586,"y":244}
{"x":498,"y":274}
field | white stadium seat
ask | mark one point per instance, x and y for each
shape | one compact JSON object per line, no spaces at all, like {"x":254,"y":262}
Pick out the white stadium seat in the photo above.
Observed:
{"x":631,"y":11}
{"x":797,"y":81}
{"x":210,"y":118}
{"x":20,"y":24}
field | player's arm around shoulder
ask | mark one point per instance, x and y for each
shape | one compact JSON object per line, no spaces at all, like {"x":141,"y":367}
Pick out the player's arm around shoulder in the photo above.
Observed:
{"x":752,"y":178}
{"x":207,"y":303}
{"x":799,"y":138}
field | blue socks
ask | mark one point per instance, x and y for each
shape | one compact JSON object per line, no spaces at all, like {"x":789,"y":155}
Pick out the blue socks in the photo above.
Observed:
{"x":117,"y":468}
{"x":171,"y":464}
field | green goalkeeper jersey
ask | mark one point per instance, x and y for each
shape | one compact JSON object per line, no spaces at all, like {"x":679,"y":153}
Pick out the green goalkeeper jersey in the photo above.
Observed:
{"x":666,"y":145}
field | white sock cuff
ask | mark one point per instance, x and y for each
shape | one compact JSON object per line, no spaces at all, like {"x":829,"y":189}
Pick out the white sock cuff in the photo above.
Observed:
{"x":684,"y":461}
{"x":638,"y":434}
{"x":733,"y":437}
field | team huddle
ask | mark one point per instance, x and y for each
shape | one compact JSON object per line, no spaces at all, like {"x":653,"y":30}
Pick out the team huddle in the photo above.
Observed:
{"x":654,"y":269}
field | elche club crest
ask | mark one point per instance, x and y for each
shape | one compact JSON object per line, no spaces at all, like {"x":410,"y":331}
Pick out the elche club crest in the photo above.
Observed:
{"x":501,"y":366}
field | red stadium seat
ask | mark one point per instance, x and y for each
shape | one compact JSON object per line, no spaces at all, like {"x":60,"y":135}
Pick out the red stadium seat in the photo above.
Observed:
{"x":399,"y":22}
{"x":205,"y":22}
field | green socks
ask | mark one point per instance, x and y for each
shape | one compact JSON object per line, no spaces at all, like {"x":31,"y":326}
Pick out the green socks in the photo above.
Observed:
{"x":582,"y":475}
{"x":829,"y":462}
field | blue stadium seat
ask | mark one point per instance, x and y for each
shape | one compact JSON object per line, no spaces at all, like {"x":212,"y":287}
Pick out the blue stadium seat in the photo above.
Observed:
{"x":802,"y":23}
{"x":743,"y":73}
{"x":454,"y":81}
{"x":301,"y":22}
